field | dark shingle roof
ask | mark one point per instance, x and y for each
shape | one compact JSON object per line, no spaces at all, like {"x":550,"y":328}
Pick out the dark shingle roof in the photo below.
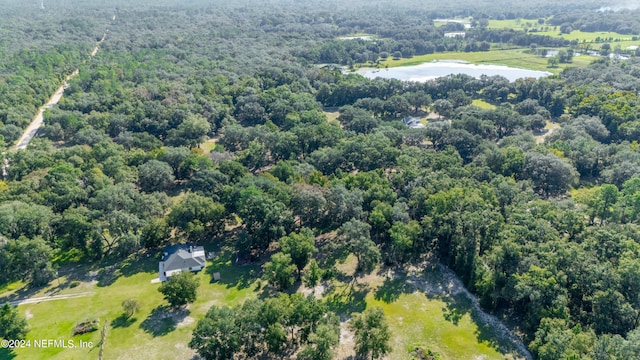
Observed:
{"x":183,"y":256}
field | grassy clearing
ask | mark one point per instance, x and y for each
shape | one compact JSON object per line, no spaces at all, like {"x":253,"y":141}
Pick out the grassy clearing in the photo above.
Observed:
{"x":549,"y":127}
{"x":587,"y":37}
{"x":11,"y":288}
{"x":208,"y":146}
{"x":516,"y":24}
{"x":152,"y":333}
{"x":580,"y":36}
{"x":483,"y":104}
{"x":444,"y":326}
{"x":519,"y":58}
{"x":332,"y":116}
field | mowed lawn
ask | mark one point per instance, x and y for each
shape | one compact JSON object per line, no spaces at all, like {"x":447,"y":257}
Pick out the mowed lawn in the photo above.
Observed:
{"x":155,"y":332}
{"x":581,"y":36}
{"x":518,"y":58}
{"x":444,"y":324}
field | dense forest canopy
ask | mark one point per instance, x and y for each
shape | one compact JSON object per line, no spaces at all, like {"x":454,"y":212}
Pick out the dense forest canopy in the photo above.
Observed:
{"x":209,"y":122}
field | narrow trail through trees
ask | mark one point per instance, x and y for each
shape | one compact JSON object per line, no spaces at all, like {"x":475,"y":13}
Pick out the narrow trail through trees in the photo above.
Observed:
{"x":31,"y":130}
{"x":454,"y":286}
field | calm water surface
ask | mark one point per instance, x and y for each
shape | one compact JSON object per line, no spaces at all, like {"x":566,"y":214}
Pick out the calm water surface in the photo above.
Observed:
{"x":432,"y":70}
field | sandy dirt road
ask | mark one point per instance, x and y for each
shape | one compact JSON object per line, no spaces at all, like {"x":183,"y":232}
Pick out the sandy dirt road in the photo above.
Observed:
{"x":36,"y":300}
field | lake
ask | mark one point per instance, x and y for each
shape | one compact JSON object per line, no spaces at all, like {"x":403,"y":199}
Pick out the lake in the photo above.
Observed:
{"x":436,"y":69}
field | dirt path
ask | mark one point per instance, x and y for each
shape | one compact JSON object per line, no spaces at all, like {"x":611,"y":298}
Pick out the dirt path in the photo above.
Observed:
{"x":50,"y":298}
{"x":453,"y":286}
{"x":37,"y":121}
{"x":446,"y":284}
{"x":31,"y":130}
{"x":549,"y":129}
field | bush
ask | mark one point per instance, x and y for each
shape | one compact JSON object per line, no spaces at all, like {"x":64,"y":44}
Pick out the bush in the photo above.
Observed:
{"x":86,"y":327}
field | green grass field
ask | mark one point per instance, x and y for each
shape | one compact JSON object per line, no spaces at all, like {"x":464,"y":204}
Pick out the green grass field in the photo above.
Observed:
{"x":516,"y":24}
{"x":152,"y":333}
{"x":519,"y":58}
{"x":582,"y":37}
{"x":589,"y":37}
{"x":447,"y":325}
{"x":483,"y":104}
{"x":332,"y":116}
{"x":444,"y":324}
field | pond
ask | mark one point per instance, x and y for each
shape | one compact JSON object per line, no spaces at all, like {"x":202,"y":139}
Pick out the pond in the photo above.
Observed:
{"x":436,"y":69}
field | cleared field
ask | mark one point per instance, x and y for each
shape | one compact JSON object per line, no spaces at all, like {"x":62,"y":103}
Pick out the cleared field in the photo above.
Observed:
{"x":430,"y":311}
{"x":519,"y":58}
{"x":516,"y":24}
{"x":596,"y":38}
{"x":588,"y":37}
{"x":549,"y":128}
{"x":155,"y":332}
{"x":483,"y":104}
{"x":208,"y":146}
{"x":445,"y":326}
{"x":332,"y":115}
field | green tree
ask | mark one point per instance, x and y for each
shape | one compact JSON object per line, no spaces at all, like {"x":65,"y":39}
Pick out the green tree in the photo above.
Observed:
{"x":321,"y":343}
{"x":217,"y":336}
{"x":155,"y":233}
{"x":313,"y":275}
{"x":12,"y":325}
{"x":180,"y":289}
{"x":155,"y":175}
{"x":197,"y":217}
{"x":28,"y":260}
{"x":276,"y":338}
{"x":605,"y":200}
{"x":130,"y":307}
{"x":309,"y":204}
{"x":299,"y":247}
{"x":371,"y":333}
{"x":191,"y":132}
{"x":279,"y":271}
{"x":265,"y":218}
{"x":356,"y":236}
{"x":62,"y":189}
{"x":404,"y":238}
{"x":550,"y":175}
{"x":443,"y":107}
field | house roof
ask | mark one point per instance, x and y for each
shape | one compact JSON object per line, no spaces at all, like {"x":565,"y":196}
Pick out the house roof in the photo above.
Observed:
{"x":185,"y":256}
{"x":413,"y":122}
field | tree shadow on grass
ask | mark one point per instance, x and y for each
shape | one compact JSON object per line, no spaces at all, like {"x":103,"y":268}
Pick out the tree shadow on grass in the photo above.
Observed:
{"x":163,"y":320}
{"x":391,"y":290}
{"x":122,"y":321}
{"x":232,"y":273}
{"x":23,"y":293}
{"x":452,"y":314}
{"x":458,"y":306}
{"x":347,"y":299}
{"x":112,"y":269}
{"x":7,"y":354}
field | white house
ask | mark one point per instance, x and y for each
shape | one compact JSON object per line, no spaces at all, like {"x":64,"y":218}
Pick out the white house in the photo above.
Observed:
{"x":178,"y":258}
